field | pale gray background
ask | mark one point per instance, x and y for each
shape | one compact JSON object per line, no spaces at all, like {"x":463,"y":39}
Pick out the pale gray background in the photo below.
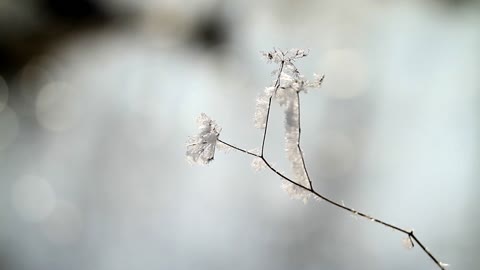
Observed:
{"x":93,"y":131}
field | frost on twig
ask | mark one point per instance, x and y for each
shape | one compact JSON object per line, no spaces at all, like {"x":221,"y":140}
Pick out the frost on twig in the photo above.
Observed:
{"x":277,"y":56}
{"x":262,"y":107}
{"x":285,"y":90}
{"x":223,"y":147}
{"x":296,"y":192}
{"x":288,"y":85}
{"x":294,"y":155}
{"x":258,"y":164}
{"x":317,"y":81}
{"x":201,"y":147}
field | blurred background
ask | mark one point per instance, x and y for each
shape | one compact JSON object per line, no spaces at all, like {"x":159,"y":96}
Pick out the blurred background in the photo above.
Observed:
{"x":97,"y":100}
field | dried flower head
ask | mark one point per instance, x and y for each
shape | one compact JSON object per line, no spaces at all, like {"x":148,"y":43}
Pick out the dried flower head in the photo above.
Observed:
{"x":201,"y":147}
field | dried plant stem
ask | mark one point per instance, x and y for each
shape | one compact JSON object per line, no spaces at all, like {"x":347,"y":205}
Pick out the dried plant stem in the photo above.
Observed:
{"x":298,"y":143}
{"x":277,"y":85}
{"x":409,"y":233}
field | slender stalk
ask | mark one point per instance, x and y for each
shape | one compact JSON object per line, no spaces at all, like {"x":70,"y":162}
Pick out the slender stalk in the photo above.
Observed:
{"x":298,"y":143}
{"x":239,"y":149}
{"x":425,"y":249}
{"x":277,"y":85}
{"x":409,"y":233}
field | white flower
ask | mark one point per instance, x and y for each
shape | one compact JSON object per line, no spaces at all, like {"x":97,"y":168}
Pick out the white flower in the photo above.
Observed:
{"x":201,"y":147}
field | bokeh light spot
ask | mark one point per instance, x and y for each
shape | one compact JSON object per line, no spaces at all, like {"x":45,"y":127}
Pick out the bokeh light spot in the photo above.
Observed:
{"x":57,"y":107}
{"x":33,"y":198}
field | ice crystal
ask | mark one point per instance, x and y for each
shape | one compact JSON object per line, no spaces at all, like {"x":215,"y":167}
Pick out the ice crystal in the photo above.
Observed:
{"x":292,"y":135}
{"x":262,"y":106}
{"x":223,"y":147}
{"x":201,"y":147}
{"x":261,"y":111}
{"x":296,"y":192}
{"x":286,"y":87}
{"x":444,"y":264}
{"x":255,"y":151}
{"x":407,"y":242}
{"x":317,"y":81}
{"x":258,"y":164}
{"x":278,"y":56}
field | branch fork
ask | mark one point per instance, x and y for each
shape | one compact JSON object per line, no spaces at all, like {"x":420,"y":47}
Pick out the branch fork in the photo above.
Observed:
{"x":285,"y":90}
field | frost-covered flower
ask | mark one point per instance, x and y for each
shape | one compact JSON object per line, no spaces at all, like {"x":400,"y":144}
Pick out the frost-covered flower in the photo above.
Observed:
{"x":201,"y":147}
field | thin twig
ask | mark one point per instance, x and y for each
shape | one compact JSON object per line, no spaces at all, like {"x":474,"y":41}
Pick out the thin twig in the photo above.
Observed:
{"x":239,"y":149}
{"x":409,"y":233}
{"x":440,"y":264}
{"x":277,"y":85}
{"x":298,"y":143}
{"x":310,"y":188}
